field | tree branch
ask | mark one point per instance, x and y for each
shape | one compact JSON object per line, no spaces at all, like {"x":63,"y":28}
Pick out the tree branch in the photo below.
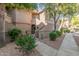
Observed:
{"x":57,"y":18}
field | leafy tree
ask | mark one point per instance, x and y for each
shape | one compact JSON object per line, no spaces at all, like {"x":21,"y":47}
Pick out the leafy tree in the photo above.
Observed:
{"x":75,"y":20}
{"x":55,"y":10}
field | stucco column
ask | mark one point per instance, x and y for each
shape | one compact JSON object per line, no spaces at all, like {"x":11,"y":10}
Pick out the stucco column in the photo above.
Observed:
{"x":2,"y":26}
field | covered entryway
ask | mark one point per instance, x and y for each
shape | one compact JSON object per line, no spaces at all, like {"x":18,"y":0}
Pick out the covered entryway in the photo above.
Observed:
{"x":33,"y":28}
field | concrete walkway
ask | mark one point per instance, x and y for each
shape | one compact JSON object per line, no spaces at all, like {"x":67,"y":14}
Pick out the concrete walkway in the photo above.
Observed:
{"x":68,"y":48}
{"x":45,"y":50}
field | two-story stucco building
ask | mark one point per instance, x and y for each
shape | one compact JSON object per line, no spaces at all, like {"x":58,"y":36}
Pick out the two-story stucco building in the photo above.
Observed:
{"x":26,"y":20}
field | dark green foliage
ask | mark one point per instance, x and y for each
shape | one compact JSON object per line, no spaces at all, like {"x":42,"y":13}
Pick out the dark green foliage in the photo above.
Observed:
{"x":55,"y":10}
{"x":21,"y":5}
{"x":54,"y":34}
{"x":26,"y":42}
{"x":59,"y":33}
{"x":64,"y":30}
{"x":14,"y":33}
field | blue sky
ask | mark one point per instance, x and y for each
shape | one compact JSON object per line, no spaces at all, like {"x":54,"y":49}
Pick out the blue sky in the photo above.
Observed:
{"x":40,"y":6}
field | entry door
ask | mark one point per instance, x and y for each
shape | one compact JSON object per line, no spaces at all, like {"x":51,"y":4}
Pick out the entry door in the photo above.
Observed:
{"x":33,"y":28}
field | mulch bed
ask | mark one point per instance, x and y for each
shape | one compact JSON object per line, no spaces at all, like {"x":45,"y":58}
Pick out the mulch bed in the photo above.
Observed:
{"x":76,"y":39}
{"x":55,"y":44}
{"x":34,"y":53}
{"x":11,"y":50}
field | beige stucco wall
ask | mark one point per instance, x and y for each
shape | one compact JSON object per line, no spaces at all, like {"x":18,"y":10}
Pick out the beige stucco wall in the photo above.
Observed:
{"x":24,"y":27}
{"x":23,"y":16}
{"x":8,"y":26}
{"x":24,"y":20}
{"x":8,"y":22}
{"x":34,"y":19}
{"x":11,"y":13}
{"x":2,"y":33}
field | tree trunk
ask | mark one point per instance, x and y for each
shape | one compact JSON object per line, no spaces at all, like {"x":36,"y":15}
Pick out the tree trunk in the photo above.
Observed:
{"x":54,"y":26}
{"x":55,"y":22}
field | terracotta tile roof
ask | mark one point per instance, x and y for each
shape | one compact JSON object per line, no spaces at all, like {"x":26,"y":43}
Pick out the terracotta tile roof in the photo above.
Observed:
{"x":36,"y":12}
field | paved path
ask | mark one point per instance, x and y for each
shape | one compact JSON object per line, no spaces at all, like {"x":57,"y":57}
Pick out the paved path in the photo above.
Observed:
{"x":45,"y":50}
{"x":68,"y":48}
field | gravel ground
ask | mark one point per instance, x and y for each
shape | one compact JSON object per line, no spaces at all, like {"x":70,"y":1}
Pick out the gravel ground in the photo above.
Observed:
{"x":76,"y":39}
{"x":10,"y":50}
{"x":55,"y":44}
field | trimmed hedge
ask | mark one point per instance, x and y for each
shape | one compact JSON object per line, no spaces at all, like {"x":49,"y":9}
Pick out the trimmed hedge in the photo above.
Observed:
{"x":64,"y":30}
{"x":54,"y":34}
{"x":59,"y":33}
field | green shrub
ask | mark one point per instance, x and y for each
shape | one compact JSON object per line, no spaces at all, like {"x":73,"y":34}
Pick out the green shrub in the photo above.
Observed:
{"x":67,"y":30}
{"x":26,"y":42}
{"x":64,"y":30}
{"x":14,"y":33}
{"x":59,"y":33}
{"x":53,"y":36}
{"x":61,"y":29}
